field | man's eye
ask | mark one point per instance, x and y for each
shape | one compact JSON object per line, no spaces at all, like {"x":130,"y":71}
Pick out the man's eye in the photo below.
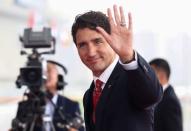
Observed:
{"x":98,"y":41}
{"x":81,"y":45}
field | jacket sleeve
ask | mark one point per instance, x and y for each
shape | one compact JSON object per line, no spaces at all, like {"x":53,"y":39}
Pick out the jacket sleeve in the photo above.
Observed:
{"x":145,"y":90}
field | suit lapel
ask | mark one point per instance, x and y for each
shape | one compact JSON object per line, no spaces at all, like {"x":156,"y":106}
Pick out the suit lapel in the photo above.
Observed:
{"x":104,"y":98}
{"x":109,"y":85}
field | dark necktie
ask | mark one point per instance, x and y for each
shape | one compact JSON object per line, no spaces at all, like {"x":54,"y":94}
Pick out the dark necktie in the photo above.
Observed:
{"x":96,"y":95}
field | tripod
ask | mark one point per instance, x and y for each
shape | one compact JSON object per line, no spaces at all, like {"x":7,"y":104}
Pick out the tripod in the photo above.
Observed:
{"x":30,"y":114}
{"x":33,"y":116}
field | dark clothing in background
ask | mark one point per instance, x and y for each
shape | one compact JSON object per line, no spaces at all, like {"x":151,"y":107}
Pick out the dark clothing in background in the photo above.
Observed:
{"x":168,"y":113}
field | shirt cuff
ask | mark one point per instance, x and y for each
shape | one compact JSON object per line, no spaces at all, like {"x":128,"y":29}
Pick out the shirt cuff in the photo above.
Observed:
{"x":132,"y":65}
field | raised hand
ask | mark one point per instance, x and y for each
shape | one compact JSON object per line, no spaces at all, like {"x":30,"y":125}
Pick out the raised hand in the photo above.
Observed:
{"x":121,"y":37}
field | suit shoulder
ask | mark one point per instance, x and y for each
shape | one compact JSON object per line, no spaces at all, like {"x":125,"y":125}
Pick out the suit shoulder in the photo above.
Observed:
{"x":170,"y":95}
{"x":170,"y":100}
{"x":68,"y":100}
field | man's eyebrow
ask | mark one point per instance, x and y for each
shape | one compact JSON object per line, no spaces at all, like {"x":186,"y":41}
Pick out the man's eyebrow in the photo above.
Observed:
{"x":98,"y":38}
{"x":92,"y":40}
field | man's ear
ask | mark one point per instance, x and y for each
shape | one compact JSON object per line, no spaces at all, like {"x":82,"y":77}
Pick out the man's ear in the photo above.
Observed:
{"x":61,"y":82}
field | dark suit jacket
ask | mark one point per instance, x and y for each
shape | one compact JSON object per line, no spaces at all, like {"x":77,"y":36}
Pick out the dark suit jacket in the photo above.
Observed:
{"x":126,"y":102}
{"x":168,"y":114}
{"x":67,"y":107}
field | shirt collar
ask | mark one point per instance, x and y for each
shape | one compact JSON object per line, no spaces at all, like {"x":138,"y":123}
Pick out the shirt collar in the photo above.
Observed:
{"x":106,"y":74}
{"x":55,"y":98}
{"x":165,"y":86}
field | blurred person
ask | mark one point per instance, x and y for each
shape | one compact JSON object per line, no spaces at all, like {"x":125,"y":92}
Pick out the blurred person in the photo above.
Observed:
{"x":69,"y":108}
{"x":124,"y":87}
{"x":168,"y":113}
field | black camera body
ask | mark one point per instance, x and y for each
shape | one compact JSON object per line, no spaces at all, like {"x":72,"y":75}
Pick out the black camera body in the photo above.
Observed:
{"x":32,"y":74}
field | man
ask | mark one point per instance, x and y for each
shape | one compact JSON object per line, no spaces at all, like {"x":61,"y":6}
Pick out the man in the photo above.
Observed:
{"x":57,"y":107}
{"x":124,"y":99}
{"x":70,"y":109}
{"x":168,"y":113}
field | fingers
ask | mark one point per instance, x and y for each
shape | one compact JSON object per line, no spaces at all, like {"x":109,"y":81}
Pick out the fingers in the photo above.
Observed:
{"x":122,"y":15}
{"x":105,"y":34}
{"x":130,"y":26}
{"x":111,"y":21}
{"x":119,"y":17}
{"x":116,"y":14}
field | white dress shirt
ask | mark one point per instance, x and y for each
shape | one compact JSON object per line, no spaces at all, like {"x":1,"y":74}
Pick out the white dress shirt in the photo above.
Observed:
{"x":106,"y":74}
{"x":49,"y":112}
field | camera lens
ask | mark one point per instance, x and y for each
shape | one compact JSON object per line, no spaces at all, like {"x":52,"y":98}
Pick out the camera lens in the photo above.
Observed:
{"x":31,"y":76}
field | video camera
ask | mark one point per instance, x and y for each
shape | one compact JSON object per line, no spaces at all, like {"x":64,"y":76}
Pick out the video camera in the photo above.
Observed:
{"x":32,"y":75}
{"x":30,"y":111}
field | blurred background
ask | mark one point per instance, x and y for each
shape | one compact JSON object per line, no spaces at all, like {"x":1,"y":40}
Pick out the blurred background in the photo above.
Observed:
{"x":161,"y":29}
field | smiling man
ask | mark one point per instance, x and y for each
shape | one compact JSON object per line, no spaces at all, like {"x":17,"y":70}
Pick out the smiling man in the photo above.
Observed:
{"x":124,"y":89}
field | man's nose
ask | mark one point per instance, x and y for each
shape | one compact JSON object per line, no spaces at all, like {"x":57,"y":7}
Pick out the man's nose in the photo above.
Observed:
{"x":91,"y":50}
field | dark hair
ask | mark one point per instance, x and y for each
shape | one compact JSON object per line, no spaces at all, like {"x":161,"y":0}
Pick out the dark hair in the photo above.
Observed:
{"x":162,"y":64}
{"x":90,"y":20}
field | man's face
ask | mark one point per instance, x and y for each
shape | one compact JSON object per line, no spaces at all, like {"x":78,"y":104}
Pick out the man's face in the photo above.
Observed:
{"x":159,"y":73}
{"x":94,"y":50}
{"x":52,"y":78}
